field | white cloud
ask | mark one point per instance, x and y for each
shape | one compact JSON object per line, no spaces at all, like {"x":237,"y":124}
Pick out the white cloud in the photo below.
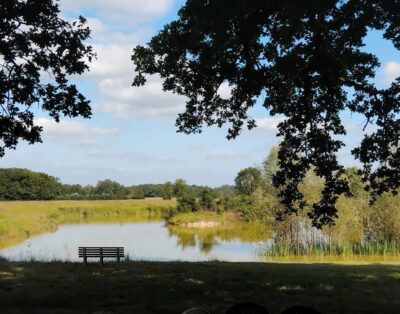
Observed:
{"x":128,"y":11}
{"x":391,"y":71}
{"x":225,"y":154}
{"x":73,"y":130}
{"x":132,"y":156}
{"x":225,"y":91}
{"x":113,"y":60}
{"x":125,"y":101}
{"x":113,"y":72}
{"x":268,"y":124}
{"x":106,"y":33}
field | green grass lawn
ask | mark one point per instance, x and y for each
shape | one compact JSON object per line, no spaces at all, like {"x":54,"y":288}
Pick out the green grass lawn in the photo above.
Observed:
{"x":150,"y":287}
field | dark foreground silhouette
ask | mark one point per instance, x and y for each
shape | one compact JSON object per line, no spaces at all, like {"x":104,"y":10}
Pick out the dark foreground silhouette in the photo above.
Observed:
{"x":253,"y":308}
{"x":173,"y":287}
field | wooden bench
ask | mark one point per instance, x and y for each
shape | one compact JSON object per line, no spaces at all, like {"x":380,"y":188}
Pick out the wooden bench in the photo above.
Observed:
{"x":101,"y":252}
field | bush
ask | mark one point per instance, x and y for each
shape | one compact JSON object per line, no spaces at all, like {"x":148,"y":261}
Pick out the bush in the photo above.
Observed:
{"x":187,"y":204}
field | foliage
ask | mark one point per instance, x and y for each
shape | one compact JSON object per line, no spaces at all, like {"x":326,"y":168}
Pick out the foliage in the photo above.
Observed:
{"x":247,"y":180}
{"x":168,"y":190}
{"x":207,"y":200}
{"x":136,"y":192}
{"x":35,"y":40}
{"x":179,"y":188}
{"x":11,"y":187}
{"x":306,"y":61}
{"x":110,"y":189}
{"x":23,"y":184}
{"x":225,"y":190}
{"x":187,"y":204}
{"x":335,"y":249}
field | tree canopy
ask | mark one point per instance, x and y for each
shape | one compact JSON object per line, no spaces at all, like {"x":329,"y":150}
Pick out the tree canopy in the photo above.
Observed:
{"x":35,"y":41}
{"x":247,"y":180}
{"x":306,"y":61}
{"x":24,"y":184}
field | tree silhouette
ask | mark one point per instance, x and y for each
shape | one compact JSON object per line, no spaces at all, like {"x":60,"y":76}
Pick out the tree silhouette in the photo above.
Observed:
{"x":35,"y":41}
{"x":306,"y":61}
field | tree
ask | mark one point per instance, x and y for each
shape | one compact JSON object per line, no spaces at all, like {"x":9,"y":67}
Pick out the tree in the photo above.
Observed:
{"x":24,"y":184}
{"x":306,"y":61}
{"x":207,"y":199}
{"x":109,"y":189}
{"x":168,"y":190}
{"x":34,"y":41}
{"x":180,"y":188}
{"x":247,"y":180}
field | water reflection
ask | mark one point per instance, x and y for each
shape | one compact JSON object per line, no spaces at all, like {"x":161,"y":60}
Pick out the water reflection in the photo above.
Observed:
{"x":207,"y":238}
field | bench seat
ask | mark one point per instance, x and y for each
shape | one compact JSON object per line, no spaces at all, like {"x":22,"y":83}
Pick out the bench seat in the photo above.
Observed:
{"x":101,"y":252}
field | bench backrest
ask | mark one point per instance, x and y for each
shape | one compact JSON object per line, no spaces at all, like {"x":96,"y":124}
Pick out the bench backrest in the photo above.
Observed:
{"x":101,"y":251}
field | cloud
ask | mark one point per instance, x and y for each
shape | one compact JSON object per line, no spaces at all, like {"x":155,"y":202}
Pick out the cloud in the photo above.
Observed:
{"x":126,"y":11}
{"x":225,"y":154}
{"x":113,"y":60}
{"x":72,"y":130}
{"x":268,"y":124}
{"x":132,"y":157}
{"x":124,"y":101}
{"x":113,"y":72}
{"x":225,"y":90}
{"x":106,"y":33}
{"x":391,"y":71}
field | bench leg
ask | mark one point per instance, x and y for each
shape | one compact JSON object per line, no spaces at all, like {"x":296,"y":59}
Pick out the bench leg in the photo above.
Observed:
{"x":85,"y":261}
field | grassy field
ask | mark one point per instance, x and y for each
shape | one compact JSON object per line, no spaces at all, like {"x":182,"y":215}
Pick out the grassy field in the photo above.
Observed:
{"x":148,"y":287}
{"x":20,"y":220}
{"x":184,"y":218}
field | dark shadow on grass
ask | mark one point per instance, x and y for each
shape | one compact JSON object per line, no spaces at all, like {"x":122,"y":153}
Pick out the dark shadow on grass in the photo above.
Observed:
{"x":155,"y":287}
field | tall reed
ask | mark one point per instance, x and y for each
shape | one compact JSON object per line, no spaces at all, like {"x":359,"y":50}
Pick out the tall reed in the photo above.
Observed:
{"x":388,"y":248}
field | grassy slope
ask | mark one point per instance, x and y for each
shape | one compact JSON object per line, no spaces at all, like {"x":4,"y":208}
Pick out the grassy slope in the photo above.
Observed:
{"x":183,"y":218}
{"x":19,"y":220}
{"x":148,"y":287}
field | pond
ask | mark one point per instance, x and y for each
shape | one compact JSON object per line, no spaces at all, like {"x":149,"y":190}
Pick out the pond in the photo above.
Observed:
{"x":150,"y":240}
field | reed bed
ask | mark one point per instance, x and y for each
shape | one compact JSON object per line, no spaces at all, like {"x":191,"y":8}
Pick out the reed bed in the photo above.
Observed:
{"x":389,"y":248}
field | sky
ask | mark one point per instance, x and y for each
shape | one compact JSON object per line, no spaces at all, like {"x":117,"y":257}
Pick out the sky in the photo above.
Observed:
{"x":131,"y":137}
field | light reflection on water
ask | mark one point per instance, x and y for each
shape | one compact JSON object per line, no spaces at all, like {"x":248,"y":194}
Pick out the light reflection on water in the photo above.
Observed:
{"x":143,"y":241}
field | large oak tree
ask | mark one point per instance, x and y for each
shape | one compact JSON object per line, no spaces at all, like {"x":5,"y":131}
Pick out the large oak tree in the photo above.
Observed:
{"x":306,"y":61}
{"x":38,"y":52}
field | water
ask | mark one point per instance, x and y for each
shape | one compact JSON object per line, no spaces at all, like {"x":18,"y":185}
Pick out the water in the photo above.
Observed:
{"x":152,"y":241}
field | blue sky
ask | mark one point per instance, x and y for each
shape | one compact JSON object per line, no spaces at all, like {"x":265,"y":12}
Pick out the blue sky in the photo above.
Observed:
{"x":131,"y":137}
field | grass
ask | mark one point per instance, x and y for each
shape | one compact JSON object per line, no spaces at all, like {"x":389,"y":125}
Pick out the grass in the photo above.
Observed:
{"x":150,"y":287}
{"x":336,"y":249}
{"x":184,"y":218}
{"x":20,"y":220}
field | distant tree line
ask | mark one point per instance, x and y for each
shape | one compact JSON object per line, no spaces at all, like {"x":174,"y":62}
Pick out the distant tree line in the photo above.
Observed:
{"x":24,"y":184}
